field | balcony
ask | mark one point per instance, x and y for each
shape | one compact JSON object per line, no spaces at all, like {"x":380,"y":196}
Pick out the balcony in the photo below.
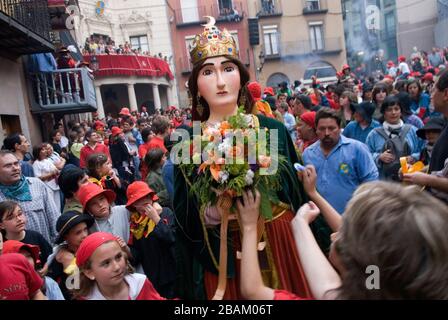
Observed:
{"x":194,"y":16}
{"x":314,"y":7}
{"x":269,"y":8}
{"x":24,"y":28}
{"x":304,"y":48}
{"x":64,"y":90}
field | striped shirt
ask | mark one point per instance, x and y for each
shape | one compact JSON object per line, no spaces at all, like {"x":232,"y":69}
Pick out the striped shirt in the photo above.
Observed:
{"x":41,"y":212}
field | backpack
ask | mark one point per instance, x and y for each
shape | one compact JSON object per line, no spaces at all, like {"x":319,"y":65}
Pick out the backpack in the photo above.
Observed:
{"x":399,"y":147}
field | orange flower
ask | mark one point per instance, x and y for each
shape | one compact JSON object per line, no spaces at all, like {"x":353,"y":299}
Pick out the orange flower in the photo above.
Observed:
{"x":224,"y":126}
{"x":202,"y":167}
{"x":264,"y":161}
{"x":214,"y":170}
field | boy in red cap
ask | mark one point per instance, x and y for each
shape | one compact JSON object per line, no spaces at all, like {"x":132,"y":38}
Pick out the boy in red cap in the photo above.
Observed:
{"x":101,"y":280}
{"x":261,"y":106}
{"x":97,"y":202}
{"x":153,"y":237}
{"x":307,"y":130}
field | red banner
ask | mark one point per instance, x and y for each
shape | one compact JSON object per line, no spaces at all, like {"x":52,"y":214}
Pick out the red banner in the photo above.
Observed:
{"x":131,"y":65}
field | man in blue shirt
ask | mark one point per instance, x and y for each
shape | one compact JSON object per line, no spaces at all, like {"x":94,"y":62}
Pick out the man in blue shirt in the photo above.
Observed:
{"x":342,"y":164}
{"x":363,"y":124}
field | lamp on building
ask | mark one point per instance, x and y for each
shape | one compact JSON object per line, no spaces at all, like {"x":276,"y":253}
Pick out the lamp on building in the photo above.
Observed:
{"x":94,"y":63}
{"x":261,"y":58}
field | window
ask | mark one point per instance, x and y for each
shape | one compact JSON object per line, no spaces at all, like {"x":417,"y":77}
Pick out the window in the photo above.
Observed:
{"x":320,"y":69}
{"x":225,"y":6}
{"x":271,"y":37}
{"x":316,"y":36}
{"x":312,"y":5}
{"x":189,"y":9}
{"x":389,"y":20}
{"x":140,"y":42}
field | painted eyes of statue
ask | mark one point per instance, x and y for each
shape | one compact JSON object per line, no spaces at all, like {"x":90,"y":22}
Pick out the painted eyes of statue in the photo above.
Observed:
{"x":208,"y":72}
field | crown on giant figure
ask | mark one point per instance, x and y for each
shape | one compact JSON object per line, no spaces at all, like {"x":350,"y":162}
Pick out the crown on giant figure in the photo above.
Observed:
{"x":212,"y":42}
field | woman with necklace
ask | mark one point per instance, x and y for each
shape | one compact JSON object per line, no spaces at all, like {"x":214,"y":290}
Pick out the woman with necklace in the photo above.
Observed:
{"x":218,"y":85}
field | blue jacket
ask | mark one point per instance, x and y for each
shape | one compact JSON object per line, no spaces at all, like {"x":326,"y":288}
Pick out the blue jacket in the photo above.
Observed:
{"x":375,"y":142}
{"x":354,"y":131}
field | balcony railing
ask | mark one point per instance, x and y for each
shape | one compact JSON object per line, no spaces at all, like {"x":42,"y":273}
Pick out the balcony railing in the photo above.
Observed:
{"x":269,"y":8}
{"x":63,"y":90}
{"x":32,"y":14}
{"x":195,"y":15}
{"x":305,"y":47}
{"x":314,"y":6}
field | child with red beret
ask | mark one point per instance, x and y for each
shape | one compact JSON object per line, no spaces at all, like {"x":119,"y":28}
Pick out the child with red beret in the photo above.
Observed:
{"x":152,"y":237}
{"x":31,"y":252}
{"x":106,"y":274}
{"x":15,"y":269}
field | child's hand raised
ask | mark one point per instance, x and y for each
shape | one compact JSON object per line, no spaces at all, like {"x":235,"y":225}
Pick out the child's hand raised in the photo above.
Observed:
{"x":249,"y":208}
{"x":308,"y":212}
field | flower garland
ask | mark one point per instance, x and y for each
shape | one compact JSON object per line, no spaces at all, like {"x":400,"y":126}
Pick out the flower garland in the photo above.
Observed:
{"x":233,"y":156}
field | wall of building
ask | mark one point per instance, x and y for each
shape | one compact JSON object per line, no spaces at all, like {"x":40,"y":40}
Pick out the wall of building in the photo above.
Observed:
{"x":294,"y":37}
{"x":180,"y":33}
{"x":123,"y":19}
{"x":14,"y":101}
{"x":416,"y":23}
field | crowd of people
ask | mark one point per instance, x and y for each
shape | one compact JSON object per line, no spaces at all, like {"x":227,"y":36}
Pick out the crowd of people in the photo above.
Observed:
{"x":100,"y":45}
{"x":103,"y":200}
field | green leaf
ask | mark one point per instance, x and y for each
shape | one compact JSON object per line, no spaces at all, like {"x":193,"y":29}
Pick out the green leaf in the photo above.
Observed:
{"x":265,"y":205}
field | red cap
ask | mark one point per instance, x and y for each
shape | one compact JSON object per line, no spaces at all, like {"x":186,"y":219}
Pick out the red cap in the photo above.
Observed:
{"x":116,"y":131}
{"x":97,"y":124}
{"x":90,"y":244}
{"x":269,"y":90}
{"x":138,"y":190}
{"x":14,"y":246}
{"x":428,"y":77}
{"x":401,"y":59}
{"x":90,"y":190}
{"x":255,"y":90}
{"x":388,"y":76}
{"x":309,"y":118}
{"x":345,"y":67}
{"x":390,"y":63}
{"x":415,"y":74}
{"x":125,"y":112}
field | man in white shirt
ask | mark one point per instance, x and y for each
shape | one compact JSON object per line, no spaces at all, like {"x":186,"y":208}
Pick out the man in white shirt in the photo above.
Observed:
{"x":288,"y":119}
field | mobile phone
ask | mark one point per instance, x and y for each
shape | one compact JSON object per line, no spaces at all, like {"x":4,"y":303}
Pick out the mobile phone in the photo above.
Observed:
{"x":299,"y":167}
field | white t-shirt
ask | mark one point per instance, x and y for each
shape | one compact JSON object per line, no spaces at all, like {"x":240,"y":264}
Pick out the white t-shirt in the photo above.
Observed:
{"x":404,"y":68}
{"x":43,"y":168}
{"x":64,"y":142}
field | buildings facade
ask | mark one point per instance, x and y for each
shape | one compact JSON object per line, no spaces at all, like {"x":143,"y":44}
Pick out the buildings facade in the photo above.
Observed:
{"x":34,"y":94}
{"x":416,"y":25}
{"x":370,"y":28}
{"x":186,"y":18}
{"x":298,"y":39}
{"x":143,"y":24}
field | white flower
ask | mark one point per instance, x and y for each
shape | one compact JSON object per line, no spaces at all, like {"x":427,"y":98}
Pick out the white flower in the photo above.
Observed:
{"x":223,"y":177}
{"x":248,"y":119}
{"x":249,"y":178}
